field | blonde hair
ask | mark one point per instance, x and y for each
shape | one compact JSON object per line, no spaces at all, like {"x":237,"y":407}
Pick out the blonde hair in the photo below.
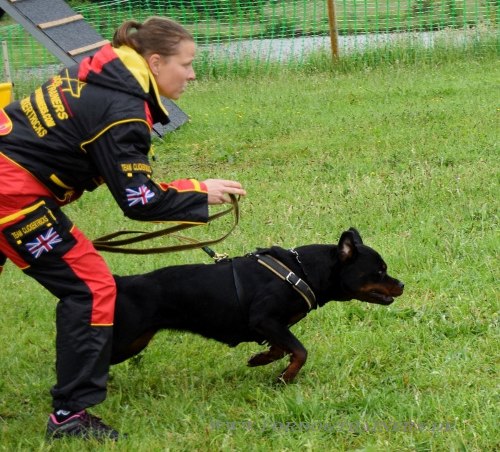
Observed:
{"x":155,"y":35}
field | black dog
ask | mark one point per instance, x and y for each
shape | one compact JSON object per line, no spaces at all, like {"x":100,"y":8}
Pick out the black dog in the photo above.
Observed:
{"x":252,"y":298}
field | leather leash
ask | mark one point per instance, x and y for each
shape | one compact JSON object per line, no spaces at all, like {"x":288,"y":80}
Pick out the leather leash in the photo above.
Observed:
{"x":106,"y":242}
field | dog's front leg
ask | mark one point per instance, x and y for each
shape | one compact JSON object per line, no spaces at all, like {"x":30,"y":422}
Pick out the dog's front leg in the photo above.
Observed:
{"x":282,"y":339}
{"x":261,"y":359}
{"x":298,"y":358}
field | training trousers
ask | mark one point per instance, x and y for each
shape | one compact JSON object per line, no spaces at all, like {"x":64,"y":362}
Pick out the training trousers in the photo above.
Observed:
{"x":41,"y":240}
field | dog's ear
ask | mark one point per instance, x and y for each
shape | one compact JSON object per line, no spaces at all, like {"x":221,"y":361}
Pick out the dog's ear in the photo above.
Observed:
{"x":347,"y":244}
{"x":356,"y":236}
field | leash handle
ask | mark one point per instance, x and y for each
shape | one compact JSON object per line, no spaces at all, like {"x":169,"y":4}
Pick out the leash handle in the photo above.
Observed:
{"x":105,"y":243}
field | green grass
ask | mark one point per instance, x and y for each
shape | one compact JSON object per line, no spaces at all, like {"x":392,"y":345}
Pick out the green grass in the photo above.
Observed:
{"x":408,"y":154}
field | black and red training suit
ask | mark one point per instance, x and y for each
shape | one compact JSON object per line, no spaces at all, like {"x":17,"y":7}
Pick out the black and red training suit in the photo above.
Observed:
{"x":89,"y":125}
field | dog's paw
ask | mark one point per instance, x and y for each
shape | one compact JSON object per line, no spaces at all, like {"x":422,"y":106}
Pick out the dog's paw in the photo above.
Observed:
{"x":283,"y":379}
{"x":260,"y":359}
{"x":288,"y":375}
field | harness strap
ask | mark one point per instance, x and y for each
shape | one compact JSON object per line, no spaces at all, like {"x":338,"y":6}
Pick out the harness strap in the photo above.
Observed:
{"x":283,"y":272}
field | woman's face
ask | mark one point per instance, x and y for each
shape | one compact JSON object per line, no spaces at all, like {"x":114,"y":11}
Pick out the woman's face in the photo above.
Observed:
{"x":173,"y":73}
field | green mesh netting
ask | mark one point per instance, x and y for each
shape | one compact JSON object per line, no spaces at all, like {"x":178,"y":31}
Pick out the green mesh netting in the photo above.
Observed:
{"x":264,"y":32}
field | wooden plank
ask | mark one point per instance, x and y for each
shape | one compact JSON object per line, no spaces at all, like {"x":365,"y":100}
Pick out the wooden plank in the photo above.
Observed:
{"x":87,"y":48}
{"x":74,"y":34}
{"x":55,"y":23}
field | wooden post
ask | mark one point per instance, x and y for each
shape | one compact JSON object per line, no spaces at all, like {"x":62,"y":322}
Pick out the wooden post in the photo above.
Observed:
{"x":6,"y":63}
{"x":334,"y":39}
{"x":6,"y":91}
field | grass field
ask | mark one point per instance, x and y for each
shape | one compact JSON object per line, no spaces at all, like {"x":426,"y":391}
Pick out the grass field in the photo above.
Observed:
{"x":408,"y":155}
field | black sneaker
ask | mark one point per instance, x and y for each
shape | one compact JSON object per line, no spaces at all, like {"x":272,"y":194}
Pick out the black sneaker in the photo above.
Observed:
{"x":80,"y":425}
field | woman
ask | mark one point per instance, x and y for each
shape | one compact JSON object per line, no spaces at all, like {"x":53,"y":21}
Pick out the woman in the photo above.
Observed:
{"x":91,"y":125}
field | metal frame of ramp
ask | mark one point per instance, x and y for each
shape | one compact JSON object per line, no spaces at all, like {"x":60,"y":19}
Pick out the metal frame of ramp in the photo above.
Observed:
{"x":66,"y":34}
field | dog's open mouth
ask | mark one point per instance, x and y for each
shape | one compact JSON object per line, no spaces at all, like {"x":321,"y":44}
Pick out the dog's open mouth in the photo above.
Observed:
{"x":381,"y":294}
{"x":377,"y":297}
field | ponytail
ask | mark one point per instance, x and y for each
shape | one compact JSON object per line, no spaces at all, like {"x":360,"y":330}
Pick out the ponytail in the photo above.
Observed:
{"x":123,"y":34}
{"x":156,"y":35}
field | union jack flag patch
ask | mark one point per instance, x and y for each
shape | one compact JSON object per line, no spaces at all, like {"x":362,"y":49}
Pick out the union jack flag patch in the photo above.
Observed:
{"x":44,"y":243}
{"x":139,"y":195}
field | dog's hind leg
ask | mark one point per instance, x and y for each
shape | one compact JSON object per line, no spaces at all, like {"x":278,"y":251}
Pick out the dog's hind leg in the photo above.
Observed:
{"x":261,"y":359}
{"x":124,"y":352}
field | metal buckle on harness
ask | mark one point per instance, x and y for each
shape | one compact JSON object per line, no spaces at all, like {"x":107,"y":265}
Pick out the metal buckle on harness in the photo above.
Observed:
{"x":291,"y":274}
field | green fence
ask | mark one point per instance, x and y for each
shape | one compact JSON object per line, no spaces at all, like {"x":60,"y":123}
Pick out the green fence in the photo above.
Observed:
{"x":264,"y":32}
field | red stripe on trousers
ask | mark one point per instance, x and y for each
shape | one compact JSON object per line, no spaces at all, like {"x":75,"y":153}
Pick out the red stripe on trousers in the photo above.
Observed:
{"x":91,"y":268}
{"x":20,"y":189}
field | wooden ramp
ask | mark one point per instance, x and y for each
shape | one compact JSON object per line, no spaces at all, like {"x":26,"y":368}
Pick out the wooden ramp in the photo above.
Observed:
{"x":67,"y":35}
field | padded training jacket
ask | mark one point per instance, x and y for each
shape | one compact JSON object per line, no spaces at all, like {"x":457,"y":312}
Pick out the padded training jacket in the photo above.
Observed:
{"x":91,"y":124}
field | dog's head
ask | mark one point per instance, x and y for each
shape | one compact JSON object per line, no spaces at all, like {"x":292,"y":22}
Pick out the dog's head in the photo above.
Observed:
{"x":364,"y":273}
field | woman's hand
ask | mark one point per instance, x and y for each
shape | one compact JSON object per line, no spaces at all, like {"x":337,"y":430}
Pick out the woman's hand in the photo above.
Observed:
{"x":219,"y":189}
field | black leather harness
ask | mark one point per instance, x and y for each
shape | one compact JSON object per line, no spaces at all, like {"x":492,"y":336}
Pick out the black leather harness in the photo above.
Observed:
{"x":283,"y":272}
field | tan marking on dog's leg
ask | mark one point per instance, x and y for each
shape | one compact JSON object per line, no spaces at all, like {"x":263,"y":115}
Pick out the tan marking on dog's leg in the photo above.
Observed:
{"x":297,"y":360}
{"x":261,"y":359}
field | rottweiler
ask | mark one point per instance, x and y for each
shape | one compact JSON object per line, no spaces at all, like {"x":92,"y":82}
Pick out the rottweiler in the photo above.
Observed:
{"x":254,"y":298}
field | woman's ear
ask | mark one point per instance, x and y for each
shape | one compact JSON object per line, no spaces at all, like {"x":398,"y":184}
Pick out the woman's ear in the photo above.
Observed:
{"x":153,"y":61}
